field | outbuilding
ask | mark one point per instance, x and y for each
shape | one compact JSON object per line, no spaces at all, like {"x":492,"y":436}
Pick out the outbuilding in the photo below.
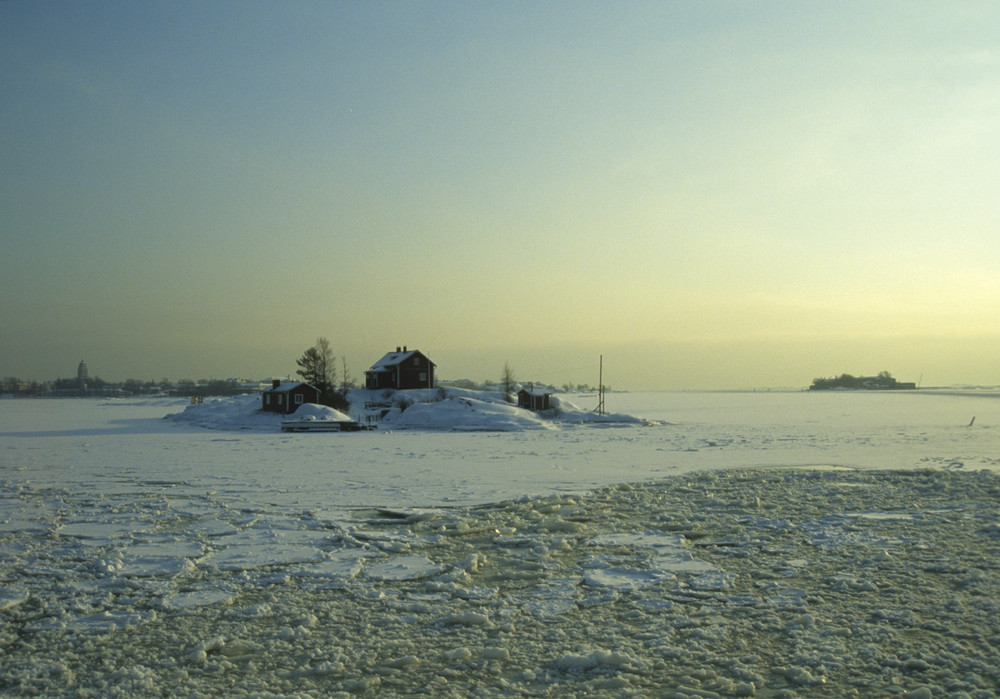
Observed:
{"x":402,"y":369}
{"x":288,"y":397}
{"x":532,"y":399}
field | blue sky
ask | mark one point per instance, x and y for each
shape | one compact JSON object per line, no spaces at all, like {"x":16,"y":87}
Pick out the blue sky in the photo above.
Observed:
{"x":710,"y":194}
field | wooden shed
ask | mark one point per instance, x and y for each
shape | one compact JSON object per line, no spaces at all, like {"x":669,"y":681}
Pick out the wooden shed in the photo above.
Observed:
{"x":531,"y":399}
{"x":288,"y":397}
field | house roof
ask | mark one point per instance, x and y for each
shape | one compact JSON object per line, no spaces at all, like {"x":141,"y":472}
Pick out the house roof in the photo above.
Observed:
{"x":535,"y":392}
{"x":286,"y":387}
{"x":393,"y":359}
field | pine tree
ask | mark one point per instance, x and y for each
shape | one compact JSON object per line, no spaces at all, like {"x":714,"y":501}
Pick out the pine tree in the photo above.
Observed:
{"x":317,"y":366}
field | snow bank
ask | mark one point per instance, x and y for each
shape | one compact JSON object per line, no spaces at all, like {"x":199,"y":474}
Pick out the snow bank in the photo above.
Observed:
{"x":463,"y":409}
{"x":426,"y":409}
{"x":461,"y":413}
{"x":229,"y":413}
{"x":244,"y":413}
{"x":310,"y":412}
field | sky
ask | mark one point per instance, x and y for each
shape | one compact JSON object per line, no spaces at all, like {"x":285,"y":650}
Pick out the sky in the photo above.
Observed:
{"x":709,"y":194}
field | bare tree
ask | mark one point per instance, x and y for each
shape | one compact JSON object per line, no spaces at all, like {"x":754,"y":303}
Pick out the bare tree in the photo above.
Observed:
{"x":346,"y":380}
{"x":507,"y":382}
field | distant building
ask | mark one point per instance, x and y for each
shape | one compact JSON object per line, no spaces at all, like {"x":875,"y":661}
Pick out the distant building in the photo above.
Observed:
{"x":401,"y":369}
{"x":532,"y":399}
{"x":288,"y":397}
{"x":82,"y":375}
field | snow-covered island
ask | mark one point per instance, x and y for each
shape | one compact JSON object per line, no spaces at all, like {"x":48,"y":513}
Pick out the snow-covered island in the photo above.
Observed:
{"x":884,"y":381}
{"x":416,"y":409}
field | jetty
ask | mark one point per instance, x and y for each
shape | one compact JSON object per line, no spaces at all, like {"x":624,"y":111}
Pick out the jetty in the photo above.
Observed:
{"x":323,"y":426}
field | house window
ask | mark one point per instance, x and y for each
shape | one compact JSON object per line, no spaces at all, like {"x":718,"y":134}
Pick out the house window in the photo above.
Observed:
{"x":298,"y":399}
{"x":416,"y":361}
{"x":279,"y":398}
{"x":423,"y":376}
{"x":267,"y":399}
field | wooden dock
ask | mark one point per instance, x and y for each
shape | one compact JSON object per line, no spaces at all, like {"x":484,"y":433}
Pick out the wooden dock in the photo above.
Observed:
{"x":323,"y":426}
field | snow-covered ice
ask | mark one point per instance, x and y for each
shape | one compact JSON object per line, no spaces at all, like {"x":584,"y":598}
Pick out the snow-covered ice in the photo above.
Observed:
{"x":699,"y":544}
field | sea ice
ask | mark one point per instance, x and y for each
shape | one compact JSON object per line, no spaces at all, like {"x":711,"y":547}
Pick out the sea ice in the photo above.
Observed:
{"x":402,"y":568}
{"x":503,"y":561}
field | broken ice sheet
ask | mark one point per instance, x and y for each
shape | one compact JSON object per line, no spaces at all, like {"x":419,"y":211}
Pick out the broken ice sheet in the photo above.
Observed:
{"x":552,"y":598}
{"x":668,"y":556}
{"x":205,"y":596}
{"x":264,"y":547}
{"x":165,"y":558}
{"x":622,"y":577}
{"x":262,"y":555}
{"x":101,"y":622}
{"x":101,"y":533}
{"x":344,"y":564}
{"x":403,"y":568}
{"x":153,"y":566}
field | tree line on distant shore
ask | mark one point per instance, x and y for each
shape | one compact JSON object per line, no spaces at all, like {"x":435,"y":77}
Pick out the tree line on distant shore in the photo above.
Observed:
{"x":318,"y":366}
{"x":96,"y":386}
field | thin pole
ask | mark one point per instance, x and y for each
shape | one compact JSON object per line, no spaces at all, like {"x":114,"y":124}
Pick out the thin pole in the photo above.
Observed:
{"x":600,"y":388}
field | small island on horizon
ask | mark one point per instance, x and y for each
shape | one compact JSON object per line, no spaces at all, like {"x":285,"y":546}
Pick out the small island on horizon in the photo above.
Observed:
{"x":845,"y":382}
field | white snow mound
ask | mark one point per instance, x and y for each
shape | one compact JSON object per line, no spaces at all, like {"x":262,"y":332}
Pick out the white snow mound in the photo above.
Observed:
{"x":244,"y":413}
{"x":461,"y":413}
{"x":313,"y":412}
{"x":428,"y":409}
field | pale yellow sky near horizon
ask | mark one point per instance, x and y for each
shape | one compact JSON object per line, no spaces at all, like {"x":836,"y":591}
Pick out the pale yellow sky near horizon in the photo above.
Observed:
{"x":710,"y":194}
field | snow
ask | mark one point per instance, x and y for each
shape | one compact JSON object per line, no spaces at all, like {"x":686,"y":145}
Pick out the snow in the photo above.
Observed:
{"x":729,"y":544}
{"x":392,"y":359}
{"x":424,"y":409}
{"x":313,"y":412}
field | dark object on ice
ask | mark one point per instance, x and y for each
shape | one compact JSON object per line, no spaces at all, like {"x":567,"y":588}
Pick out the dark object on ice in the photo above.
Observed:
{"x":972,"y":420}
{"x":846,"y":382}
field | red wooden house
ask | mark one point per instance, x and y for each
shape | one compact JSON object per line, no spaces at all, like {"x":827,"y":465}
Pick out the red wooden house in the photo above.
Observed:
{"x":401,"y":369}
{"x":288,"y":397}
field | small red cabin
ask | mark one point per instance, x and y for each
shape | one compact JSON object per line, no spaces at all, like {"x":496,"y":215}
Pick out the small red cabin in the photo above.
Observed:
{"x":531,"y":399}
{"x":288,"y":397}
{"x":401,"y":369}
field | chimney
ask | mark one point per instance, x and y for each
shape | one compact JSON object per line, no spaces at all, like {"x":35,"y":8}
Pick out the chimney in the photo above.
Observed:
{"x":404,"y":348}
{"x":398,"y":350}
{"x":275,"y":383}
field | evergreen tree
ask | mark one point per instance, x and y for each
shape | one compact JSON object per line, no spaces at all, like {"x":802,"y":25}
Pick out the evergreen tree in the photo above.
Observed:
{"x":317,"y":366}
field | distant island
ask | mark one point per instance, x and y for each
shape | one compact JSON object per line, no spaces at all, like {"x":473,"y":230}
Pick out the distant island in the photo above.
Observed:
{"x":846,"y":382}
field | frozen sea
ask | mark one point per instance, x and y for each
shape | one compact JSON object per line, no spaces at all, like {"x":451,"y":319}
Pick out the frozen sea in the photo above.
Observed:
{"x":731,"y":544}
